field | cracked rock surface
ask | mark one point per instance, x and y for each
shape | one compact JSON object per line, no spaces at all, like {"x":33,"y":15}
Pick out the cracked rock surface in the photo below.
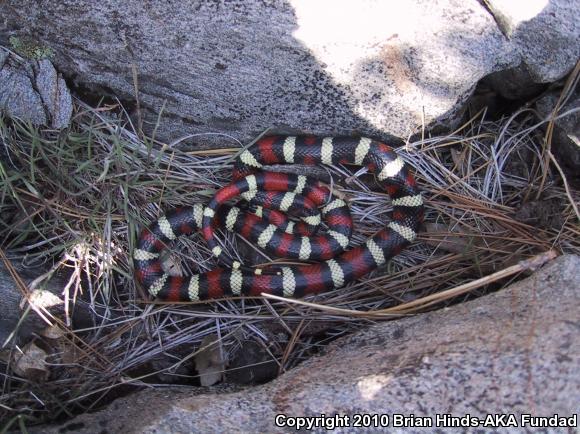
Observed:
{"x":32,"y":90}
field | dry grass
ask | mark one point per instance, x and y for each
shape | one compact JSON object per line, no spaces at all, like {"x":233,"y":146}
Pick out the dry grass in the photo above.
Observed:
{"x":76,"y":199}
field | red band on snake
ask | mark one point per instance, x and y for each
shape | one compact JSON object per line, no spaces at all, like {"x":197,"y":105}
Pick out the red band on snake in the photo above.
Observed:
{"x":273,"y":231}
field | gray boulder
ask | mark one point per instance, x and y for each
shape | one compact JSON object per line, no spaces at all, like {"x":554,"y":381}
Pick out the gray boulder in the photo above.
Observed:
{"x":514,"y":351}
{"x":54,"y":93}
{"x":546,"y":37}
{"x":33,"y":90}
{"x":17,"y":95}
{"x":546,"y":34}
{"x":240,"y":67}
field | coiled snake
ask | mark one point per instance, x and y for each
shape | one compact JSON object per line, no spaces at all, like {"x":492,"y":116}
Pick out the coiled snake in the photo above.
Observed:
{"x":270,"y":194}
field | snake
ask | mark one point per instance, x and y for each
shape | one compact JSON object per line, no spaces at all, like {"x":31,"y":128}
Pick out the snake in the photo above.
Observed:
{"x":316,"y":239}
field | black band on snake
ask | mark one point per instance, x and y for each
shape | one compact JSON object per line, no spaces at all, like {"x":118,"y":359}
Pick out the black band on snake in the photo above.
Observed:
{"x":273,"y":231}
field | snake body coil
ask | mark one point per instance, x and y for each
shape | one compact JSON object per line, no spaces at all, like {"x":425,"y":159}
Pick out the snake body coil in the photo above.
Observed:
{"x":270,"y":229}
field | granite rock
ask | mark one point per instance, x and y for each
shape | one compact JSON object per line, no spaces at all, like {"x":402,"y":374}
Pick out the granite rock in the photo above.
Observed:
{"x":545,"y":33}
{"x":237,"y":68}
{"x":514,"y":351}
{"x":32,"y":90}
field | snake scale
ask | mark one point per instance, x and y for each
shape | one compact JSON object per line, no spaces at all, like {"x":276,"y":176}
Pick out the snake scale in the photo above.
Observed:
{"x":265,"y":223}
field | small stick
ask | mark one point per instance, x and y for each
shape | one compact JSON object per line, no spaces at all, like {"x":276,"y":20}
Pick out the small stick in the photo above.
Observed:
{"x":532,"y":263}
{"x":413,"y":306}
{"x":566,"y":187}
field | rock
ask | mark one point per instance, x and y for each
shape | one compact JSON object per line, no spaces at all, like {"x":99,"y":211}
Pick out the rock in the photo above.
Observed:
{"x":18,"y":97}
{"x":240,"y":67}
{"x":32,"y":90}
{"x":47,"y":293}
{"x":54,"y":93}
{"x":209,"y":361}
{"x":514,"y":83}
{"x":514,"y":351}
{"x":566,"y":138}
{"x":10,"y":311}
{"x":546,"y":34}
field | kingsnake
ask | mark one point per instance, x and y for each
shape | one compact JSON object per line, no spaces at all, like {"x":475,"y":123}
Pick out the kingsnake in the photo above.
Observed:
{"x":272,"y":230}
